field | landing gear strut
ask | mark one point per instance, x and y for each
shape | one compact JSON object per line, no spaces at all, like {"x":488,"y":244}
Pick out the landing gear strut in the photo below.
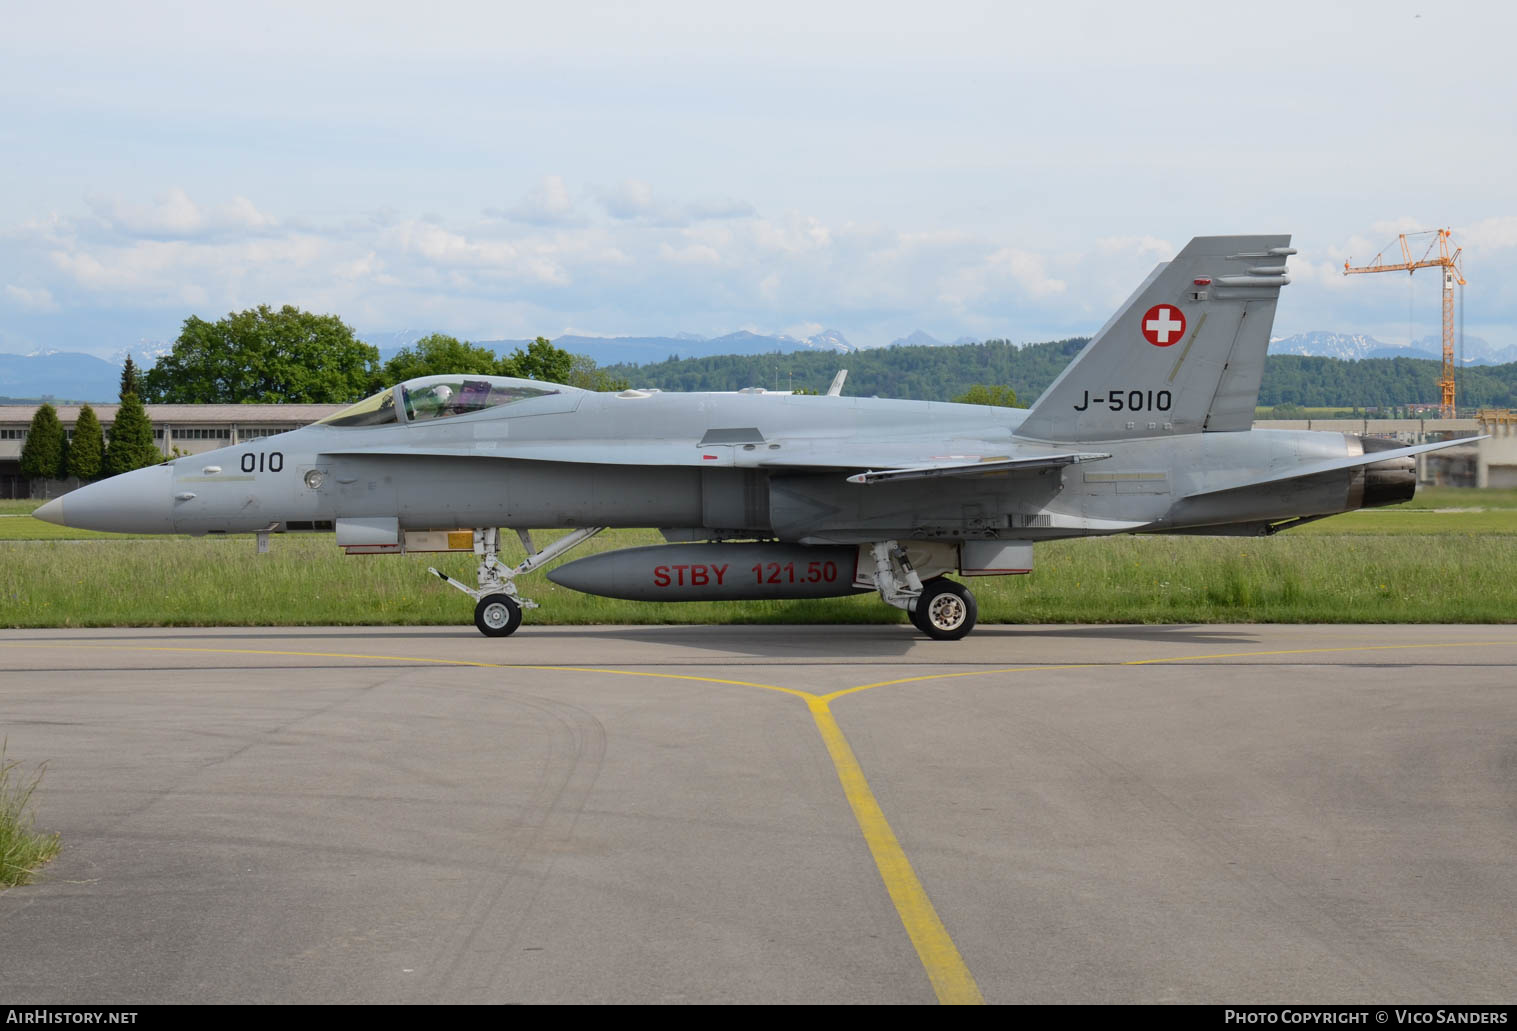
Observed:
{"x":498,"y":607}
{"x":939,"y":607}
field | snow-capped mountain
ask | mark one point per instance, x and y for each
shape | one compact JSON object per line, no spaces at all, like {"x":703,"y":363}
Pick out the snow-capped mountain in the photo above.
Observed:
{"x":919,"y":338}
{"x":145,"y":353}
{"x":642,"y":350}
{"x":1320,"y":344}
{"x":829,"y":340}
{"x":1355,"y":346}
{"x":1476,"y":350}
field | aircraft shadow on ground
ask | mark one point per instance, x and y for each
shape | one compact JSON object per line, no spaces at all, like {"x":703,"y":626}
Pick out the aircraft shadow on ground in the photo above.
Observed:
{"x":771,"y":641}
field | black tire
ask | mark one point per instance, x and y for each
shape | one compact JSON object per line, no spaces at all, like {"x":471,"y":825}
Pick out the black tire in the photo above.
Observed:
{"x":946,"y":611}
{"x":497,"y":615}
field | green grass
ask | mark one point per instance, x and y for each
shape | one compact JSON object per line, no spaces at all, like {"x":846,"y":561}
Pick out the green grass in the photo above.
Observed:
{"x":306,"y":580}
{"x":22,"y":849}
{"x":16,"y":524}
{"x":1449,"y":555}
{"x":1315,"y":412}
{"x":1462,"y":497}
{"x":1380,"y":522}
{"x":25,"y":528}
{"x":1286,"y":579}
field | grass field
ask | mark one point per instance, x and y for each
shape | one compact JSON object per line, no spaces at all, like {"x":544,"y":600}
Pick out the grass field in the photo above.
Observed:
{"x":22,"y":848}
{"x":1448,"y":556}
{"x":1317,"y":412}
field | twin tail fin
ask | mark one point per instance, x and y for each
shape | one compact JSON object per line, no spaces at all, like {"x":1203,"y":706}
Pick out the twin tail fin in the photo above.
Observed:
{"x":1184,"y":354}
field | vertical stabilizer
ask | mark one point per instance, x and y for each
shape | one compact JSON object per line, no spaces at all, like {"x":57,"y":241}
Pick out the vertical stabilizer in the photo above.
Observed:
{"x":1184,"y":354}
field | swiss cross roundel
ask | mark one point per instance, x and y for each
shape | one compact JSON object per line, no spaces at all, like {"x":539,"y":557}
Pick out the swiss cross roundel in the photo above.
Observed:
{"x":1163,"y":324}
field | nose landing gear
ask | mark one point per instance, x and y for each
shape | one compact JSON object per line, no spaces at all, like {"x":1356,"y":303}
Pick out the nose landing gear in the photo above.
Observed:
{"x":497,"y":615}
{"x":498,"y":608}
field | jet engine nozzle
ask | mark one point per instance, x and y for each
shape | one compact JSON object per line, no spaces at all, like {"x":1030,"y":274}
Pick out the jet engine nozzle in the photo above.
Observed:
{"x":1386,"y":483}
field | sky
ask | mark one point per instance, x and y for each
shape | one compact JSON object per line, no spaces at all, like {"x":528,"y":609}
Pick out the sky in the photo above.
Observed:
{"x":503,"y":170}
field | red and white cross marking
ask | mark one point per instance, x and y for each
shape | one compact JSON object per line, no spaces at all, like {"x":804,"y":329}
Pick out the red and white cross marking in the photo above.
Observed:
{"x":1163,"y":324}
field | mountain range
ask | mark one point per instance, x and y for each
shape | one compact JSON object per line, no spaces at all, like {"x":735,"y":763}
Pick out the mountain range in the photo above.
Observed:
{"x":641,"y":350}
{"x":75,"y":376}
{"x":1354,"y":346}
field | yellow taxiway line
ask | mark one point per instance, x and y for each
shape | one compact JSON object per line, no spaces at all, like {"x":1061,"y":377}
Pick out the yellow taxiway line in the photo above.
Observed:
{"x":940,"y":958}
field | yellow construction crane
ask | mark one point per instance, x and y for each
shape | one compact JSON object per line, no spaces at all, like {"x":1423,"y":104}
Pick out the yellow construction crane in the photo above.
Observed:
{"x":1452,"y":274}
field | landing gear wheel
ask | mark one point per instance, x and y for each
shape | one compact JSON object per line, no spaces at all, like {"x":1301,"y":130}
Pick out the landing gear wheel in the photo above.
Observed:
{"x":497,"y":615}
{"x":946,"y":611}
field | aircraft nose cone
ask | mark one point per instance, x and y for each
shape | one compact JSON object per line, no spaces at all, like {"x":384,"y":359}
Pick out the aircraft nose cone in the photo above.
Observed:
{"x":52,"y":512}
{"x":140,"y":501}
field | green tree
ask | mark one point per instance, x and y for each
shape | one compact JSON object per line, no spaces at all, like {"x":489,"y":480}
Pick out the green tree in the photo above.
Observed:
{"x":437,"y":355}
{"x":993,"y":394}
{"x":541,"y":360}
{"x":43,"y":454}
{"x":131,"y":379}
{"x":585,"y":374}
{"x":86,"y":452}
{"x":262,"y":355}
{"x":131,"y":445}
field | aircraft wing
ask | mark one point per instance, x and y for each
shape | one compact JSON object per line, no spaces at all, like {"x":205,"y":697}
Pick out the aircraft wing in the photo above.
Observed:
{"x":1333,"y":465}
{"x":990,"y":465}
{"x":879,"y":460}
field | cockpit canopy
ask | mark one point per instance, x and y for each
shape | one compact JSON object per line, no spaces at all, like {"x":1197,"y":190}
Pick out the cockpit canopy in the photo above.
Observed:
{"x":439,"y":397}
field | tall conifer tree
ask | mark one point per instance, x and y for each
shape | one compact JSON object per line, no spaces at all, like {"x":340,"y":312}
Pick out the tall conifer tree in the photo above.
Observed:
{"x":86,"y":452}
{"x":131,"y":445}
{"x":131,"y":379}
{"x":43,"y":454}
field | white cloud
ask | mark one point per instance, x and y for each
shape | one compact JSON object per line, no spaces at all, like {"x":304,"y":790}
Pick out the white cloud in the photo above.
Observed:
{"x":797,"y":233}
{"x":487,"y":277}
{"x":174,"y":215}
{"x":1389,"y":229}
{"x":1489,"y":234}
{"x":1003,"y":274}
{"x":692,"y":254}
{"x":37,"y":299}
{"x":629,"y":199}
{"x":1024,"y":269}
{"x":633,"y":199}
{"x":546,"y":204}
{"x":1151,"y":246}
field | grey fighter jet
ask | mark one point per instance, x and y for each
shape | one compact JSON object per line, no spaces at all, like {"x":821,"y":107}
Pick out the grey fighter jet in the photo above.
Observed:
{"x":773,"y":495}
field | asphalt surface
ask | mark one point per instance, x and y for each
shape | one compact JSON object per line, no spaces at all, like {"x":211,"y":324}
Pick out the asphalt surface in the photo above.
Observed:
{"x":660,"y":814}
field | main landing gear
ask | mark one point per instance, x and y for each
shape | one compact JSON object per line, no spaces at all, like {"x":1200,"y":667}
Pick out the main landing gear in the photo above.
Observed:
{"x":941,"y":608}
{"x":497,"y":605}
{"x":945,"y":611}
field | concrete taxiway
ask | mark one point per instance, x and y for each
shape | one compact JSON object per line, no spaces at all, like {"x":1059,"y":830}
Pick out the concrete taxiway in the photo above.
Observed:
{"x":767,"y":814}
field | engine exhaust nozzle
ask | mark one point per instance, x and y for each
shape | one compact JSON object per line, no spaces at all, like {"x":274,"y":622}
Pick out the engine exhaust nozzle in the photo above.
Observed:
{"x":1390,"y":482}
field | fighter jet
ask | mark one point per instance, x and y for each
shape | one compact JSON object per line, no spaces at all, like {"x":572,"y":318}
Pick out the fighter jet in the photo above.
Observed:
{"x":774,"y":495}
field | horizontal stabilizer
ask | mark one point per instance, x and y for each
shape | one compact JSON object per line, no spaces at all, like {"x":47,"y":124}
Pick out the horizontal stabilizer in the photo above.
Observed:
{"x":1334,"y":464}
{"x":923,"y":472}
